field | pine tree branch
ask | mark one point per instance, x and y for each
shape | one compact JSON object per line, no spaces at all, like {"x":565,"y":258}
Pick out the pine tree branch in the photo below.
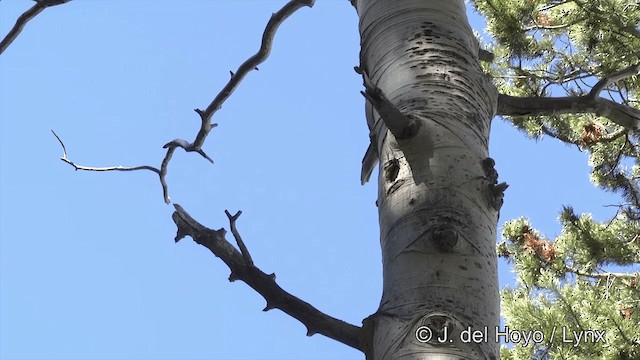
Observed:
{"x":612,"y":79}
{"x":315,"y":321}
{"x":603,"y":275}
{"x":25,"y":18}
{"x":622,"y":115}
{"x":625,"y":116}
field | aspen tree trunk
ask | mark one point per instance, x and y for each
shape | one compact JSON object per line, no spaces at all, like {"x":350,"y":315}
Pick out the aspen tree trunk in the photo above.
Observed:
{"x":437,"y":214}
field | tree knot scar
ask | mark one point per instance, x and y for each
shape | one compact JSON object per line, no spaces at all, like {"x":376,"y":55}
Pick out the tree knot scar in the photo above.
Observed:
{"x":445,"y":239}
{"x":391,"y":170}
{"x":433,"y":327}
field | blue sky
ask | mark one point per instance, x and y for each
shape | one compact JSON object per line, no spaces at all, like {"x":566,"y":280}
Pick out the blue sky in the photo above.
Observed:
{"x":88,"y":266}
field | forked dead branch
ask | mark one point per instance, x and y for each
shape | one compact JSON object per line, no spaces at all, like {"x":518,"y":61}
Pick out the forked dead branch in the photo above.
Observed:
{"x":242,"y":268}
{"x":205,"y":115}
{"x":240,"y":262}
{"x":443,"y":239}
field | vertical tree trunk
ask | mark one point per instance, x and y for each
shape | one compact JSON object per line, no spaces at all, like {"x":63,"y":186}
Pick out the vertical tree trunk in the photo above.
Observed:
{"x":437,"y":209}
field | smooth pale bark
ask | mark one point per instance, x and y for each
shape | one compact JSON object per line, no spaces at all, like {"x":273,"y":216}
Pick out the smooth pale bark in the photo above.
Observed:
{"x":437,"y":224}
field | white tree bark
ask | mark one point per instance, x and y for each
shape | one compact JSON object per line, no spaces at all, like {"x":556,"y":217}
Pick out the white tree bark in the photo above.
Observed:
{"x":438,"y":205}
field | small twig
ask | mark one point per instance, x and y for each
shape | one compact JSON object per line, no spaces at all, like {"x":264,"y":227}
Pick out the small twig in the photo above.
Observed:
{"x":603,"y":275}
{"x":160,"y":173}
{"x":614,"y":135}
{"x":558,"y":136}
{"x":315,"y":321}
{"x":25,"y":18}
{"x":187,"y":146}
{"x":236,"y":235}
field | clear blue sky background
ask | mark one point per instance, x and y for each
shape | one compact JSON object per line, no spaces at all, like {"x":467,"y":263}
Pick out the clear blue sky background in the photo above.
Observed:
{"x":88,"y":266}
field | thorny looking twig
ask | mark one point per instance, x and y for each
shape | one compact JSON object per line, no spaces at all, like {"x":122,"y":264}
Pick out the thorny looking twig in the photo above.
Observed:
{"x":205,"y":115}
{"x":24,"y":19}
{"x":242,"y":268}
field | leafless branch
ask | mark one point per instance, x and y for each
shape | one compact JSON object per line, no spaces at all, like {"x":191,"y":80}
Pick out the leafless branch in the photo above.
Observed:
{"x":25,"y":18}
{"x":236,"y":77}
{"x":315,"y":321}
{"x":160,"y":173}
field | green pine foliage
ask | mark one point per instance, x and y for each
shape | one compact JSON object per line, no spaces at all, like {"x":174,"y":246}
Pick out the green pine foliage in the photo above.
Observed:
{"x":577,"y":281}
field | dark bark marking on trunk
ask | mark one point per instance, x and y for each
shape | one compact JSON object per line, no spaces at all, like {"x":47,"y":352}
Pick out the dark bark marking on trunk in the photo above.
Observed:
{"x":391,"y":170}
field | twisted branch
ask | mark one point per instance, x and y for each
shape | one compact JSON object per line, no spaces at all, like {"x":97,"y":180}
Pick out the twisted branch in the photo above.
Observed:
{"x":205,"y":115}
{"x":25,"y":18}
{"x":250,"y":64}
{"x":236,"y":77}
{"x":240,"y":262}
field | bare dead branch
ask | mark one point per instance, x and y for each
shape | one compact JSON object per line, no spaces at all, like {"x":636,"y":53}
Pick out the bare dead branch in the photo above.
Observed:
{"x":251,"y":64}
{"x":114,"y":168}
{"x":25,"y":18}
{"x":315,"y":321}
{"x":236,"y":77}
